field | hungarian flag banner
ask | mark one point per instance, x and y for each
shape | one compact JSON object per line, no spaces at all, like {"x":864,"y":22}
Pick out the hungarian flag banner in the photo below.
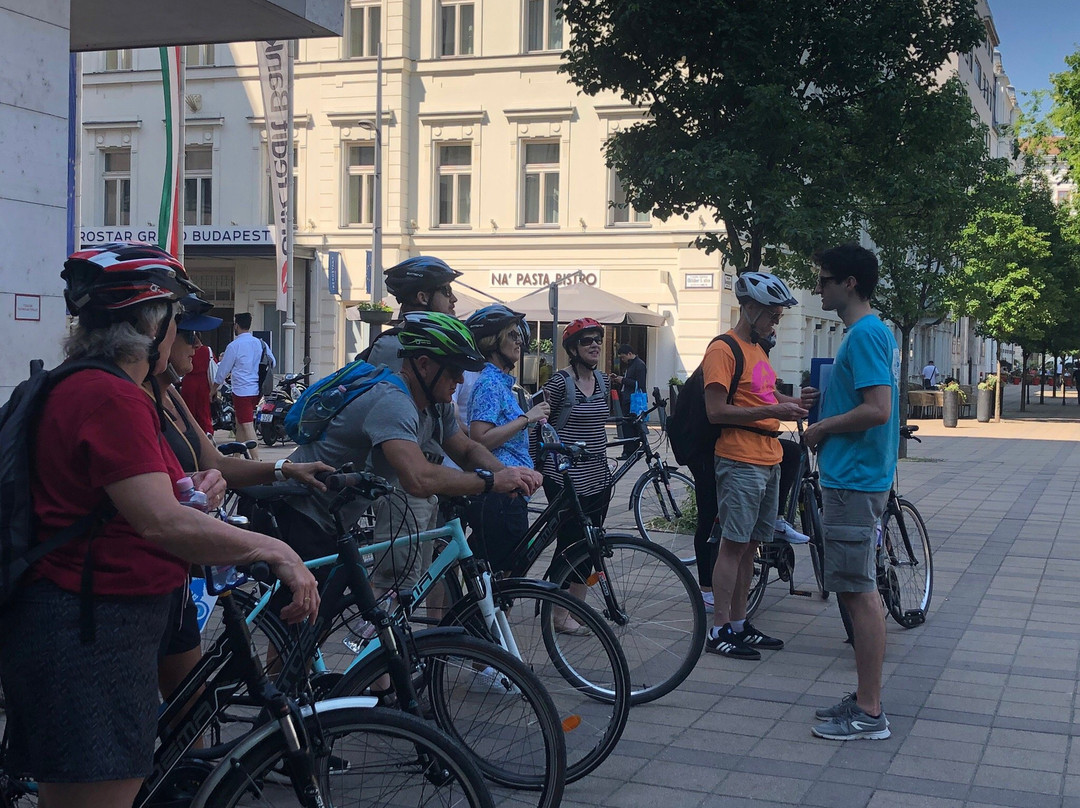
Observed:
{"x":169,"y":233}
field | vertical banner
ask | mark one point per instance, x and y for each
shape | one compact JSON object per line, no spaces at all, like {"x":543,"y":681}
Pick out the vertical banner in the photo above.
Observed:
{"x":169,"y":232}
{"x":73,"y":153}
{"x":333,"y":272}
{"x":275,"y":76}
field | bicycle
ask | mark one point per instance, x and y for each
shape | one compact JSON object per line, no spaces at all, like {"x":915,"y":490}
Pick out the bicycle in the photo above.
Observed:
{"x":377,"y":756}
{"x":662,"y":498}
{"x":643,"y":589}
{"x":508,"y":724}
{"x":586,"y":677}
{"x":804,"y":503}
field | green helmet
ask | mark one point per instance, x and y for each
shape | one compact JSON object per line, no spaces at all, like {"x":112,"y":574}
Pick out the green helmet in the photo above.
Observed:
{"x":440,"y":336}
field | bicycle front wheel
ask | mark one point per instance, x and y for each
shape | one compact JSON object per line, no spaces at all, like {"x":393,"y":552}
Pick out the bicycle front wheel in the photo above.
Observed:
{"x":758,"y":583}
{"x":810,"y":519}
{"x":908,"y":564}
{"x":659,"y":617}
{"x":584,"y":671}
{"x":666,"y":512}
{"x":364,"y":757}
{"x":490,"y":703}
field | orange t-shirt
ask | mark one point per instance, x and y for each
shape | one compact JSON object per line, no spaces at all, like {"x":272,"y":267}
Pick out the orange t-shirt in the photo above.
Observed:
{"x":757,"y":387}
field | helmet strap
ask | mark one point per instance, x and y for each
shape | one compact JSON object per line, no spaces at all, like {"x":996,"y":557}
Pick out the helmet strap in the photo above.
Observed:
{"x":156,"y":388}
{"x":424,"y":385}
{"x":766,"y":343}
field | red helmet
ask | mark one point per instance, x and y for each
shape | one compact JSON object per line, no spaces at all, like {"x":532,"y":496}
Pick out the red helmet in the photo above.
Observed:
{"x":572,"y":331}
{"x":111,"y":278}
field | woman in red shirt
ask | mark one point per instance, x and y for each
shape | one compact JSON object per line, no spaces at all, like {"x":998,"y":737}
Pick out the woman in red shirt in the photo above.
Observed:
{"x":78,"y":653}
{"x":195,"y":389}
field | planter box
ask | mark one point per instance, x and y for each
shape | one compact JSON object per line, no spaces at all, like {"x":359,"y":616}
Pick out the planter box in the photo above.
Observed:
{"x":375,"y":317}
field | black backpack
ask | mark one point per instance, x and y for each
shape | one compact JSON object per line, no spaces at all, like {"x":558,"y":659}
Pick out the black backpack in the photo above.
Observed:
{"x":18,"y":424}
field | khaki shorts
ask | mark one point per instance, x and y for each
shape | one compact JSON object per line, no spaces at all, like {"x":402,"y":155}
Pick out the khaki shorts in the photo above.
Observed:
{"x":850,"y":519}
{"x":747,"y":499}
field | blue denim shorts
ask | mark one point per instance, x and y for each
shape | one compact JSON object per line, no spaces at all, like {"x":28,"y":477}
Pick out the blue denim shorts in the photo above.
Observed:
{"x":747,"y":499}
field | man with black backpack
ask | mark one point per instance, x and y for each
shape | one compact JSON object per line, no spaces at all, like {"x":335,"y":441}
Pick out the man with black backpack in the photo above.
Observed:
{"x":247,"y":360}
{"x":740,"y":395}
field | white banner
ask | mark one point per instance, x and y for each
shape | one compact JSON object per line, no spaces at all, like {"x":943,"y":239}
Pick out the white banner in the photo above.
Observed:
{"x":275,"y":76}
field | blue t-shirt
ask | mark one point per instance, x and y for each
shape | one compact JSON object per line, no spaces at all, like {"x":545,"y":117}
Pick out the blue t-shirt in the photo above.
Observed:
{"x":493,"y":400}
{"x":862,"y":461}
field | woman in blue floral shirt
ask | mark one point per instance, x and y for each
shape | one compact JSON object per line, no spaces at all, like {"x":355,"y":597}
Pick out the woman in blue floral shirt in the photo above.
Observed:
{"x":496,"y":419}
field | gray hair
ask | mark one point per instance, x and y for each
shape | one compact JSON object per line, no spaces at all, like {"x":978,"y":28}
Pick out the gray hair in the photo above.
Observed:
{"x":119,"y":342}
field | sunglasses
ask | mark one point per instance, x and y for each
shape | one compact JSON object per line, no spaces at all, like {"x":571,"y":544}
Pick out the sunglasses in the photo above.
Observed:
{"x":587,"y":341}
{"x":190,"y":337}
{"x":446,"y":291}
{"x":824,"y":279}
{"x":514,"y":336}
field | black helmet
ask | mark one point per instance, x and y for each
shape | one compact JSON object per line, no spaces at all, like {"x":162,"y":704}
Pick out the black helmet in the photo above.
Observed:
{"x":490,"y":320}
{"x":445,"y":338}
{"x":422,"y":273}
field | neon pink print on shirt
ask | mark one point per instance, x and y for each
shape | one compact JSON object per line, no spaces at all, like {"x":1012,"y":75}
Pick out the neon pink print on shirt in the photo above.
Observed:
{"x":764,"y":382}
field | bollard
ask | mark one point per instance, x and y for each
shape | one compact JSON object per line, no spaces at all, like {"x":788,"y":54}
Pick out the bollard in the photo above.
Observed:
{"x":950,"y":409}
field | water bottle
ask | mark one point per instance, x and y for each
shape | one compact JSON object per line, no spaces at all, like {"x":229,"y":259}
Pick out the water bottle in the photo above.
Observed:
{"x":186,"y":493}
{"x":330,"y":401}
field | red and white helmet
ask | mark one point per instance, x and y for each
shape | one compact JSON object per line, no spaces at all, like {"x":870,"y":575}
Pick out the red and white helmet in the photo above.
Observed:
{"x":575,"y":328}
{"x":111,"y":278}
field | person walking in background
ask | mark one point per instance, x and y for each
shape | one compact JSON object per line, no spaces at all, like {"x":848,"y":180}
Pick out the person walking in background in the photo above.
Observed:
{"x":632,"y":381}
{"x":241,"y":361}
{"x":929,"y":375}
{"x":195,"y":387}
{"x":747,"y":456}
{"x":857,"y":440}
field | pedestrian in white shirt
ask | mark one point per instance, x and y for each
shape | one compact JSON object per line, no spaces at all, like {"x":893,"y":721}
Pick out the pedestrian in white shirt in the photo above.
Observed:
{"x":929,"y":375}
{"x":241,"y":361}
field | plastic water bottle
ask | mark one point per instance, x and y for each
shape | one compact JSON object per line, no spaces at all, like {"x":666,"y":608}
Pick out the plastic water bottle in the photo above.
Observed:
{"x":189,"y":496}
{"x":330,"y":401}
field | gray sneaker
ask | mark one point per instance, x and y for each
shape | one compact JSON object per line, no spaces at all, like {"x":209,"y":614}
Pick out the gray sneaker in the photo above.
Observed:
{"x":852,"y":724}
{"x":838,"y":709}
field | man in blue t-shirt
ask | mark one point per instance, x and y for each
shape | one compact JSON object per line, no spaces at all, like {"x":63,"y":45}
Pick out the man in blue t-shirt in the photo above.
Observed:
{"x":858,"y":436}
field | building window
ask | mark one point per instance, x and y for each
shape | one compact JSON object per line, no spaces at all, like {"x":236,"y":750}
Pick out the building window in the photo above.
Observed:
{"x":540,"y":183}
{"x":456,"y":28}
{"x":199,"y":56}
{"x":198,"y":185}
{"x":543,"y":26}
{"x":619,"y":210}
{"x":360,"y":183}
{"x":295,"y":186}
{"x":455,"y":184}
{"x":118,"y":59}
{"x":117,"y":185}
{"x":364,"y":26}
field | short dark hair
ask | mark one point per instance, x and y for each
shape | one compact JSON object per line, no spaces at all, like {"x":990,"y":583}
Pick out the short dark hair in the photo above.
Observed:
{"x":243,"y":319}
{"x":851,"y":261}
{"x":625,"y":349}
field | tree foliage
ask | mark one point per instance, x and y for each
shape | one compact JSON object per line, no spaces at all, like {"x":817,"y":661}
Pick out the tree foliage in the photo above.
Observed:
{"x":767,"y":113}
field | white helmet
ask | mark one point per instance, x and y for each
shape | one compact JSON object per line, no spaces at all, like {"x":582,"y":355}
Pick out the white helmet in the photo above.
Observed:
{"x":763,"y":288}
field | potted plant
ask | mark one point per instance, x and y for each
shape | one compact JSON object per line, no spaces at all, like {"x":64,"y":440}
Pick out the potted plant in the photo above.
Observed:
{"x":984,"y":401}
{"x":952,"y":397}
{"x":370,"y":312}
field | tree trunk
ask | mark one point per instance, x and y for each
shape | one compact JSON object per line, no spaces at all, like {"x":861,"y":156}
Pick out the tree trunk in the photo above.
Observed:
{"x":1023,"y":379}
{"x":999,"y":390}
{"x":1042,"y":377}
{"x":905,"y":362}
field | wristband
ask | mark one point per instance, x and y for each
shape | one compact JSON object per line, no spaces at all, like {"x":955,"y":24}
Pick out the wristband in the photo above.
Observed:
{"x":279,"y":475}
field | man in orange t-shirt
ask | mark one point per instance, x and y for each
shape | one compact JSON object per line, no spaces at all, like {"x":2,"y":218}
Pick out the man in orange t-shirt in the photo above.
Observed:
{"x":747,"y":457}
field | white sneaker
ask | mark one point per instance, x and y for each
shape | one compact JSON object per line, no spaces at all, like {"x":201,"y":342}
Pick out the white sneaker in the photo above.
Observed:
{"x":491,"y":681}
{"x":785,"y":531}
{"x":709,"y":602}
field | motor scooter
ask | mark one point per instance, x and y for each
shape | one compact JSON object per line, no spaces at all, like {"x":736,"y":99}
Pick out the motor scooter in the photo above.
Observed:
{"x":270,"y":417}
{"x":221,"y":409}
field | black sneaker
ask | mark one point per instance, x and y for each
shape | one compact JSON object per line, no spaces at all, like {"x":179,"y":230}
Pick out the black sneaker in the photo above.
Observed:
{"x":755,"y":639}
{"x":727,"y":643}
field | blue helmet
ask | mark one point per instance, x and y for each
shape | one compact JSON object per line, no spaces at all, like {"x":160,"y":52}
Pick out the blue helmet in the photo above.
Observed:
{"x":490,"y":320}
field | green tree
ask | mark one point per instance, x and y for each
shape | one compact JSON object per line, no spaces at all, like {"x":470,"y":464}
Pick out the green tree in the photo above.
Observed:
{"x":764,"y":112}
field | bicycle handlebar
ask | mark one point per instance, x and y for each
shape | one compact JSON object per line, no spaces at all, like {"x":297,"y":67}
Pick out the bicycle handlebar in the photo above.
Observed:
{"x":362,"y":483}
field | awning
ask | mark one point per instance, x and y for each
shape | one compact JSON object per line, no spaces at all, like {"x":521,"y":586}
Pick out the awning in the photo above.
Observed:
{"x":580,"y":300}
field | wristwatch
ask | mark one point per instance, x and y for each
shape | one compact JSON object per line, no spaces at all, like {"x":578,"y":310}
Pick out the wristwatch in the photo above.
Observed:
{"x":279,"y":475}
{"x":488,"y":477}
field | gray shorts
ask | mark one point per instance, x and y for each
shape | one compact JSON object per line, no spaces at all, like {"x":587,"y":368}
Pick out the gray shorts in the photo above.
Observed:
{"x":850,"y":519}
{"x":747,"y":499}
{"x":402,"y":565}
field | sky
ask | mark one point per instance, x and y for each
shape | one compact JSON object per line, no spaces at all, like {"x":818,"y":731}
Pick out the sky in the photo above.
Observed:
{"x":1036,"y":36}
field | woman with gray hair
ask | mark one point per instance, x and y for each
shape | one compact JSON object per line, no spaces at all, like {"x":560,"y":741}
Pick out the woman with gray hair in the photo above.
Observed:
{"x":79,"y":641}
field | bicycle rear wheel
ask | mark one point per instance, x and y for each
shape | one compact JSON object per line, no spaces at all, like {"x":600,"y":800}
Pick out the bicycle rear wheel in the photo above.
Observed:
{"x":585,"y":673}
{"x":365,"y":757}
{"x":810,"y":519}
{"x":666,"y":514}
{"x":661,"y":624}
{"x":488,"y":701}
{"x":758,"y":583}
{"x":908,"y":564}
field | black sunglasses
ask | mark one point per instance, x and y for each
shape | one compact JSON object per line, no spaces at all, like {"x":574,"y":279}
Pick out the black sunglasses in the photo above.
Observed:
{"x":190,"y":337}
{"x":824,"y":279}
{"x":586,"y":341}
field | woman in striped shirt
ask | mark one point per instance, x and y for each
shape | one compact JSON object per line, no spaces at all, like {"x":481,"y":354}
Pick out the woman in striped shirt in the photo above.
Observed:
{"x":586,"y":390}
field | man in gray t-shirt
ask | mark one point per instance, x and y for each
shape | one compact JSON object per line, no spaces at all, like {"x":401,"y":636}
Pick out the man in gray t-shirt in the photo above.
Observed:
{"x":383,"y":431}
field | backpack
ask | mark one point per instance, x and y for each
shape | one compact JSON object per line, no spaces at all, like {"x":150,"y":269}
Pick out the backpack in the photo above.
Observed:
{"x":18,"y":424}
{"x":390,"y":332}
{"x":559,"y":417}
{"x":690,"y":432}
{"x":266,"y":378}
{"x":314,"y":410}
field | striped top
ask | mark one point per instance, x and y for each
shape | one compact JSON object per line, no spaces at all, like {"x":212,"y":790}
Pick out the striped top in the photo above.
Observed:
{"x":586,"y":423}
